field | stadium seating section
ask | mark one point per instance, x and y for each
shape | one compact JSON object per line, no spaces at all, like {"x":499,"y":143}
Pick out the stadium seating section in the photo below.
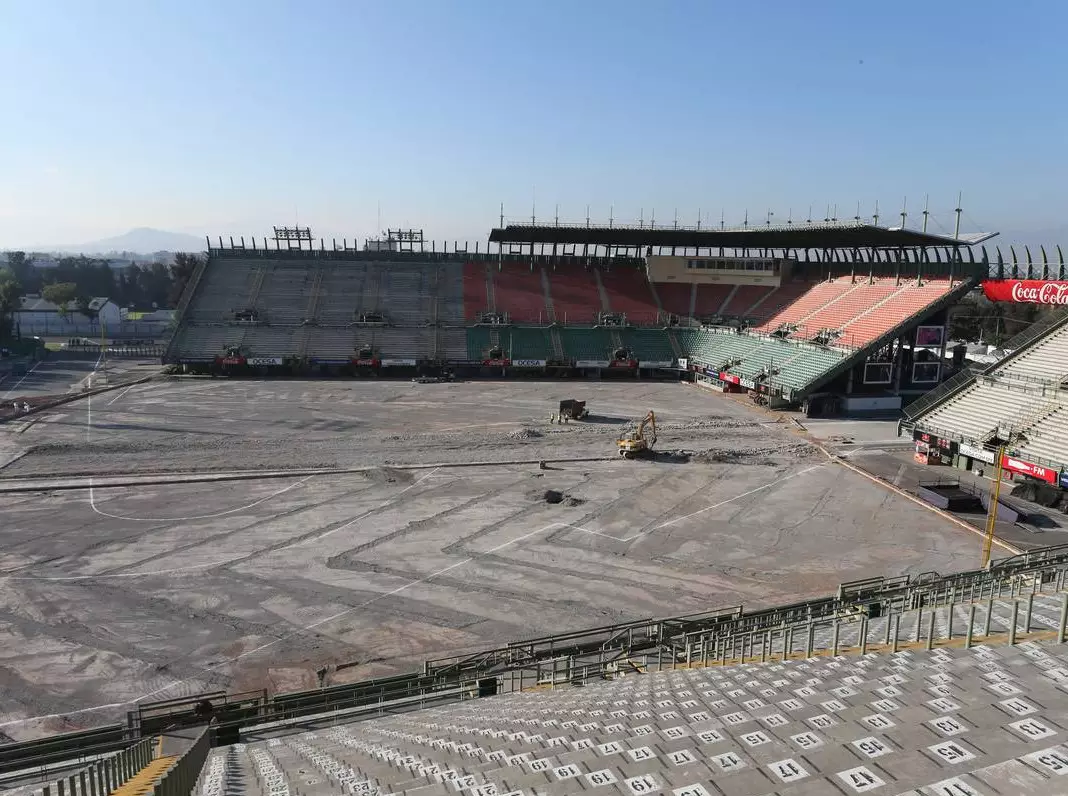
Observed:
{"x":1022,"y":399}
{"x":307,"y":309}
{"x":961,"y":699}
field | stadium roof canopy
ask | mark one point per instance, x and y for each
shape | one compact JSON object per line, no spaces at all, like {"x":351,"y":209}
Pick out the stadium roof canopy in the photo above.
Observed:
{"x":797,"y":236}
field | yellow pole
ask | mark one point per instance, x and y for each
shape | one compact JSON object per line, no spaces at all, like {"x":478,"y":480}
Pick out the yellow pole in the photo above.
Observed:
{"x":992,"y":512}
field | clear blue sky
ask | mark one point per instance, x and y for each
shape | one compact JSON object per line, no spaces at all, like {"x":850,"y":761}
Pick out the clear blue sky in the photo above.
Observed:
{"x":225,"y":116}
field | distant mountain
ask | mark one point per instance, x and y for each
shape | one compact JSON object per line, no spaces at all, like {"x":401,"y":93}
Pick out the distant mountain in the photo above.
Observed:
{"x":141,"y":241}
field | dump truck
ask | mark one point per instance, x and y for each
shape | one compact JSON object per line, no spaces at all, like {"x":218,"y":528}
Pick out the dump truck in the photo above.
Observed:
{"x":573,"y":410}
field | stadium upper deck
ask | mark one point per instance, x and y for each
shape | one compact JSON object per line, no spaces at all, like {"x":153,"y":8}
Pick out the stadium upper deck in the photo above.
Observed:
{"x":824,"y":312}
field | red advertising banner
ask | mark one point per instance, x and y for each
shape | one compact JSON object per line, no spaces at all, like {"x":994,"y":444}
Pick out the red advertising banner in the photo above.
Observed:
{"x":366,"y":363}
{"x":623,"y":363}
{"x":230,"y":360}
{"x":730,"y":378}
{"x":1026,"y":291}
{"x":1014,"y":465}
{"x":496,"y":363}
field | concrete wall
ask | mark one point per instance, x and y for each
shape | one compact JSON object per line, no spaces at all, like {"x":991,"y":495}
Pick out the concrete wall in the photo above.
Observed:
{"x":666,"y":268}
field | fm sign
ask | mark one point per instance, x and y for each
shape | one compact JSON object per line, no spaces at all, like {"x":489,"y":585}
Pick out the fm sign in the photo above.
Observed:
{"x":1028,"y":468}
{"x":1027,"y":291}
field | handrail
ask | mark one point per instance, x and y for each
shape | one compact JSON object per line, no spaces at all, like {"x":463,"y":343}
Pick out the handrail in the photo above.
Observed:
{"x":182,"y":777}
{"x":105,"y":776}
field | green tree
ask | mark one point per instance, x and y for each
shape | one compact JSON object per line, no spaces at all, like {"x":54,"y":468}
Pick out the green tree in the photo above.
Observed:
{"x":181,"y":272}
{"x":62,"y":294}
{"x":10,"y":291}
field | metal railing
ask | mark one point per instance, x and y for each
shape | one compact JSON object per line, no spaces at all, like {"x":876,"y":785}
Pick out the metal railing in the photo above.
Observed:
{"x":602,"y":652}
{"x":104,"y":776}
{"x":942,"y":392}
{"x":181,"y":778}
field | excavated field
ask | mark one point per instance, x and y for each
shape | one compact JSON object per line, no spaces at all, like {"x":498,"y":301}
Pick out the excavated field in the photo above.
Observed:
{"x":113,"y":595}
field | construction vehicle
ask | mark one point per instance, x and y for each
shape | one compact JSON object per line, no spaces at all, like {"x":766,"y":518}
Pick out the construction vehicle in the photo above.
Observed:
{"x":573,"y":410}
{"x":638,"y":443}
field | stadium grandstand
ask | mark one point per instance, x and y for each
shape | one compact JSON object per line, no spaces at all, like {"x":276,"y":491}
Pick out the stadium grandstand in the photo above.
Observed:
{"x":1012,"y":414}
{"x":830,"y":317}
{"x":947,"y":685}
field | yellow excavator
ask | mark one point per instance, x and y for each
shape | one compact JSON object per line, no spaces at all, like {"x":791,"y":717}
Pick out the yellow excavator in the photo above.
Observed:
{"x":638,"y":443}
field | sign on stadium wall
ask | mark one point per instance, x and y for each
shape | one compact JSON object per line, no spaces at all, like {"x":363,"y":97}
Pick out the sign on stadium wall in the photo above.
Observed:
{"x":265,"y":361}
{"x":730,"y":378}
{"x":496,"y":363}
{"x":528,"y":363}
{"x":1064,"y":480}
{"x":591,"y":363}
{"x":1015,"y":465}
{"x":656,"y":364}
{"x":398,"y":363}
{"x":979,"y":454}
{"x":1026,"y":291}
{"x":946,"y":445}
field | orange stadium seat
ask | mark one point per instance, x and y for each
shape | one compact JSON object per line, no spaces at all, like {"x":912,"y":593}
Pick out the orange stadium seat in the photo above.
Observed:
{"x":901,"y":306}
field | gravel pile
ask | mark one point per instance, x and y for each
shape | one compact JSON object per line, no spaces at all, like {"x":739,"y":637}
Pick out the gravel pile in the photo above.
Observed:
{"x":525,"y":433}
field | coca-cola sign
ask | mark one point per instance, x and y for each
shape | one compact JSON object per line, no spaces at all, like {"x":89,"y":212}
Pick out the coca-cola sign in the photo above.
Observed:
{"x":1026,"y":291}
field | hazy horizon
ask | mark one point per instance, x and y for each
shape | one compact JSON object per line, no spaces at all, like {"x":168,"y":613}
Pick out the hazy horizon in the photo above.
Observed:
{"x":226,"y":119}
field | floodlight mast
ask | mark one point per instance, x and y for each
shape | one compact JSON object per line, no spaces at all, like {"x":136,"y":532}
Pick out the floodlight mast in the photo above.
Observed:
{"x":292,"y":237}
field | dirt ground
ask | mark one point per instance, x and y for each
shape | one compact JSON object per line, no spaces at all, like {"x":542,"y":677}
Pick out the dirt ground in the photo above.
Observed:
{"x":116,"y":595}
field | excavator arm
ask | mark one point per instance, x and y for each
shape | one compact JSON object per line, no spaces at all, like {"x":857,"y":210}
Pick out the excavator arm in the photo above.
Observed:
{"x":649,"y":421}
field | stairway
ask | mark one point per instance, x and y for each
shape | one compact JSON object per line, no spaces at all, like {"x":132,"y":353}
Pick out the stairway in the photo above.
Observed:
{"x":606,"y":305}
{"x":656,"y":298}
{"x":313,"y":300}
{"x":257,"y":286}
{"x":548,"y":295}
{"x":558,"y":344}
{"x":727,"y":300}
{"x":491,"y":296}
{"x":675,"y":345}
{"x":878,"y":304}
{"x":143,"y":782}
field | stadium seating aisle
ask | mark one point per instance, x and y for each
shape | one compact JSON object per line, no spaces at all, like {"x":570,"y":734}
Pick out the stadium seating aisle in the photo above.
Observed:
{"x":710,"y":299}
{"x":519,"y":293}
{"x":951,"y":721}
{"x":978,"y":410}
{"x":587,"y":344}
{"x":675,"y":298}
{"x":776,"y":300}
{"x":629,"y":293}
{"x":895,"y":310}
{"x":649,"y":345}
{"x":1047,"y":361}
{"x":1047,"y":439}
{"x":861,"y":299}
{"x":475,"y":291}
{"x":575,"y":296}
{"x":527,"y":342}
{"x":223,"y":288}
{"x":745,"y":297}
{"x":812,"y":301}
{"x":341,"y":289}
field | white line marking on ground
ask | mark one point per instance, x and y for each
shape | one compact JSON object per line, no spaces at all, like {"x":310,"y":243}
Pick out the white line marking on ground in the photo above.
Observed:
{"x":899,"y":476}
{"x":349,"y":610}
{"x":117,"y":397}
{"x":699,"y":511}
{"x":393,"y":592}
{"x":212,"y":564}
{"x":102,"y":513}
{"x":25,"y":376}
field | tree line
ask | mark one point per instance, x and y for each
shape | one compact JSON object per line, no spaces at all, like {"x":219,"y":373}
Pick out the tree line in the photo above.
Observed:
{"x":978,"y":319}
{"x":75,"y":281}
